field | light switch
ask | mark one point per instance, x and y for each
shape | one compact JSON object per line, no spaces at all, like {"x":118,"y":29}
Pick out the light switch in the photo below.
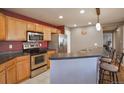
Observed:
{"x":10,"y":46}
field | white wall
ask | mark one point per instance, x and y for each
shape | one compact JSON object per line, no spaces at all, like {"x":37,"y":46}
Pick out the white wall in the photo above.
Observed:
{"x":79,"y":41}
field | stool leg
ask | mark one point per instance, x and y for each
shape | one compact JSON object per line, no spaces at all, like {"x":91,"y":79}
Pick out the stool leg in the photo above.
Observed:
{"x":110,"y":76}
{"x":117,"y":78}
{"x":102,"y":76}
{"x":113,"y":77}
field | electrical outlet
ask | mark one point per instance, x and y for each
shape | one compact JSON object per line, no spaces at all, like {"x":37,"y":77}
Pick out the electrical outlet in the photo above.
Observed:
{"x":10,"y":46}
{"x":40,"y":45}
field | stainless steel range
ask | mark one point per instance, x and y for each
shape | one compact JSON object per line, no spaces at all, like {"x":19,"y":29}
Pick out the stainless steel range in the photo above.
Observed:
{"x":38,"y":57}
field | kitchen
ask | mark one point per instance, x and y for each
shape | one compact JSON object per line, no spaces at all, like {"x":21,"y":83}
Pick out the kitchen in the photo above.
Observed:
{"x":30,"y":47}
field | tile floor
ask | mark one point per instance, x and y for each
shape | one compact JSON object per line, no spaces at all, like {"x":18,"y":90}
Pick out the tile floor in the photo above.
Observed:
{"x":40,"y":79}
{"x":44,"y":78}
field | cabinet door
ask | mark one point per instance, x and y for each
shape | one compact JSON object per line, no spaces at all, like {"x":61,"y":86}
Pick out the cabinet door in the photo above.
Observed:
{"x":47,"y":33}
{"x":11,"y":28}
{"x":2,"y":77}
{"x":31,"y":26}
{"x":20,"y":30}
{"x":23,"y":70}
{"x":39,"y":28}
{"x":11,"y":74}
{"x":53,"y":30}
{"x":2,"y":27}
{"x":16,"y":29}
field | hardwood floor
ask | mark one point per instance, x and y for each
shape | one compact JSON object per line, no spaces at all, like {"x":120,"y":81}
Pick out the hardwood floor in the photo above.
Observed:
{"x":120,"y":77}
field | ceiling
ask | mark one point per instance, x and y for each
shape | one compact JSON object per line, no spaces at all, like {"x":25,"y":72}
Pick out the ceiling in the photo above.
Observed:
{"x":72,"y":15}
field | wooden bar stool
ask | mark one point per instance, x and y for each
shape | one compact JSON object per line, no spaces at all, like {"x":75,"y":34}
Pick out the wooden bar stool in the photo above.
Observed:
{"x":109,"y":59}
{"x":111,"y":69}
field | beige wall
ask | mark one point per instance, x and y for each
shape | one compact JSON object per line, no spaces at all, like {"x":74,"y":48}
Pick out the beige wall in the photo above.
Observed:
{"x":119,"y":39}
{"x":79,"y":41}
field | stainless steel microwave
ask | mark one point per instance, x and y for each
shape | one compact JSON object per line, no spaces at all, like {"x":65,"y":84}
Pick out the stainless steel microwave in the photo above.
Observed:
{"x":34,"y":36}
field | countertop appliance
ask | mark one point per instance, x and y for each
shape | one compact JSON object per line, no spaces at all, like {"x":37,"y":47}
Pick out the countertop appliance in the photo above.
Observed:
{"x":34,"y":36}
{"x":58,"y":42}
{"x":38,"y":57}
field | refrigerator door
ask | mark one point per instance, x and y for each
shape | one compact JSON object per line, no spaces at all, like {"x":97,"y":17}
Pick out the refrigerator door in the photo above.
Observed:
{"x":58,"y":42}
{"x":62,"y":43}
{"x":54,"y":43}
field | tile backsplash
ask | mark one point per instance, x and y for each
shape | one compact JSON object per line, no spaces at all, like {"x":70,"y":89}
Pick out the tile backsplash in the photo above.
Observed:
{"x":6,"y":46}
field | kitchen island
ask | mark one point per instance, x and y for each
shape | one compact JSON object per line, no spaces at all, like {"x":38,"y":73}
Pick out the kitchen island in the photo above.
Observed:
{"x":75,"y":68}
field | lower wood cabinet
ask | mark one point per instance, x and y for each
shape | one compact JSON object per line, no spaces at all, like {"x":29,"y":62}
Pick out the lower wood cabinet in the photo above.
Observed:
{"x":2,"y":77}
{"x":11,"y":74}
{"x":15,"y":70}
{"x":49,"y":54}
{"x":23,"y":69}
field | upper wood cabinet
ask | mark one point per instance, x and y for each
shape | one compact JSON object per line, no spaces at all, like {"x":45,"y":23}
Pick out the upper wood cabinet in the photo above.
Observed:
{"x":39,"y":28}
{"x":31,"y":26}
{"x":2,"y":27}
{"x":16,"y":29}
{"x":21,"y":28}
{"x":47,"y":33}
{"x":53,"y":30}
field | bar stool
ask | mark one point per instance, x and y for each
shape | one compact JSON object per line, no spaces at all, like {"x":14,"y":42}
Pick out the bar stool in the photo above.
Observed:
{"x":111,"y":69}
{"x":109,"y":59}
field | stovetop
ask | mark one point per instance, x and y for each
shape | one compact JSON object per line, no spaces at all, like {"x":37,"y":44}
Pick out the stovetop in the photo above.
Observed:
{"x":35,"y":51}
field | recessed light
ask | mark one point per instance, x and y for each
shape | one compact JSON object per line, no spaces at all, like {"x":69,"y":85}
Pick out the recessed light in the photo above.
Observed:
{"x":89,"y":23}
{"x":60,"y":17}
{"x":75,"y":25}
{"x":82,"y":11}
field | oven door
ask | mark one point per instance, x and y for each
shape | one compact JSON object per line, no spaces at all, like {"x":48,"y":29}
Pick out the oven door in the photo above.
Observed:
{"x":38,"y":61}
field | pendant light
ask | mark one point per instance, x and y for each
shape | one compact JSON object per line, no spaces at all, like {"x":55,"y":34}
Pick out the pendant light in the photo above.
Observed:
{"x":98,"y":25}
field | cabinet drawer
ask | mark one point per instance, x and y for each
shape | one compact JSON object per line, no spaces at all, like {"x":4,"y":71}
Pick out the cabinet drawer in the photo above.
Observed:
{"x":10,"y":63}
{"x":2,"y":67}
{"x":21,"y":58}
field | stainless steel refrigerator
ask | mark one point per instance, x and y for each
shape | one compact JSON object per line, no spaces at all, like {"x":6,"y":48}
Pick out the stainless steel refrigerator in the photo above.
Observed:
{"x":58,"y":42}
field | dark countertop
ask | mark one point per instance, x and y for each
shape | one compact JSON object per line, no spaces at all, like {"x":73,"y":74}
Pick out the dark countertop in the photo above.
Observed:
{"x":8,"y":56}
{"x":80,"y":54}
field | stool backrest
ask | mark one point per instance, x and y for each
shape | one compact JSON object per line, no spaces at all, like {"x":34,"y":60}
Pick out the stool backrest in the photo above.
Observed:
{"x":119,"y":60}
{"x":113,"y":53}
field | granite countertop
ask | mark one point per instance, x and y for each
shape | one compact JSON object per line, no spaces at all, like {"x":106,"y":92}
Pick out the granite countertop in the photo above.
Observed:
{"x":80,"y":54}
{"x":6,"y":57}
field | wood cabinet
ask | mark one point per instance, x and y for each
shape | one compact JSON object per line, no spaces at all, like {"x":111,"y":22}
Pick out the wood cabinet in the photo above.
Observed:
{"x":16,"y":29}
{"x":49,"y":54}
{"x":39,"y":28}
{"x":15,"y":70}
{"x":2,"y":27}
{"x":11,"y":72}
{"x":23,"y":68}
{"x":53,"y":30}
{"x":31,"y":26}
{"x":21,"y":28}
{"x":2,"y":74}
{"x":47,"y":33}
{"x":2,"y":77}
